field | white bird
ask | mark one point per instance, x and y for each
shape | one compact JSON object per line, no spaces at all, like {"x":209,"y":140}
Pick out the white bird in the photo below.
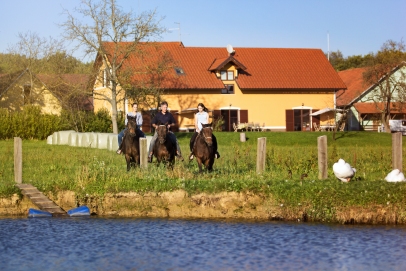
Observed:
{"x":343,"y":170}
{"x":395,"y":176}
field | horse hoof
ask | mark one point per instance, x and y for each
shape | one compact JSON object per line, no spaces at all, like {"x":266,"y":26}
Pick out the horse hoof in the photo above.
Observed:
{"x":149,"y":159}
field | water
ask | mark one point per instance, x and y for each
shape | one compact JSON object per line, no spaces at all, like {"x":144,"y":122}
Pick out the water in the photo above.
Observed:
{"x":167,"y":244}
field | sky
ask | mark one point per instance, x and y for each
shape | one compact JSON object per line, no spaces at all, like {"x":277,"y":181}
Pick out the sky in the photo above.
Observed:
{"x":355,"y":27}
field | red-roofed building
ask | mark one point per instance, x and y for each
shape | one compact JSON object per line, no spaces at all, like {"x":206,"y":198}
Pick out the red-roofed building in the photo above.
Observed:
{"x":50,"y":92}
{"x":275,"y":87}
{"x":362,"y":102}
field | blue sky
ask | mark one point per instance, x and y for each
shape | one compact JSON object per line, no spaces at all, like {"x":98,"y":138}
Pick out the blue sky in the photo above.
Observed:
{"x":355,"y":27}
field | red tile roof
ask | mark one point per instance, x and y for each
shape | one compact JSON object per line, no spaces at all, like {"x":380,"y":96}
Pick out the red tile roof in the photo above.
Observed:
{"x":354,"y":80}
{"x":373,"y":108}
{"x":266,"y":68}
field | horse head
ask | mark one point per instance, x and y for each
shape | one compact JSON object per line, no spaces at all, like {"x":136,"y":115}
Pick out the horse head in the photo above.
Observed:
{"x":162,"y":130}
{"x":132,"y":125}
{"x":207,"y":132}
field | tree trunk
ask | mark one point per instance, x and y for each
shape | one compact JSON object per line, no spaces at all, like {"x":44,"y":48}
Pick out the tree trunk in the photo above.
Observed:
{"x":114,"y":108}
{"x":385,"y":121}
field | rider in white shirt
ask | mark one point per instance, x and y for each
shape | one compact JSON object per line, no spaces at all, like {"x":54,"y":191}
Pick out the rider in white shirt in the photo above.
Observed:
{"x":202,"y":117}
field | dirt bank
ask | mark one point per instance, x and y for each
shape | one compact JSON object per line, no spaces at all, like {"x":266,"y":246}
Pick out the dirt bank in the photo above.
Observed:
{"x":178,"y":204}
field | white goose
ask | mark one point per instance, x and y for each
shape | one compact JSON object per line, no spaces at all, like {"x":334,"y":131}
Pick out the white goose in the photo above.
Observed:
{"x":395,"y":176}
{"x":343,"y":170}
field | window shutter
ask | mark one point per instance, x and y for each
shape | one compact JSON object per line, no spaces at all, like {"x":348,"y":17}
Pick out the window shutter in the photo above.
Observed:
{"x":243,"y":116}
{"x":289,"y":120}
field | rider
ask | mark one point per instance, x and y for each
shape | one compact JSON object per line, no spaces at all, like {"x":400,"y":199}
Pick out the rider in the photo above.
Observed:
{"x":202,"y":117}
{"x":164,"y":117}
{"x":138,"y":117}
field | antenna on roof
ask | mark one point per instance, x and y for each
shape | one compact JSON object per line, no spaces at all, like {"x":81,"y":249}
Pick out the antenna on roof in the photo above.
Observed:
{"x":328,"y":46}
{"x":180,"y":40}
{"x":230,"y":49}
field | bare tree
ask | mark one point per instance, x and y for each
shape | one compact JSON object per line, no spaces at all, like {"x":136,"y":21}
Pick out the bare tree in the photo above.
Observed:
{"x":28,"y":52}
{"x":122,"y":30}
{"x":152,"y":78}
{"x":389,"y":91}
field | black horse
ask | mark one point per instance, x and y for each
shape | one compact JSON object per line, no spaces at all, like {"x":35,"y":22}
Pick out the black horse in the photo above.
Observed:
{"x":164,"y":147}
{"x":130,"y":146}
{"x":203,"y":148}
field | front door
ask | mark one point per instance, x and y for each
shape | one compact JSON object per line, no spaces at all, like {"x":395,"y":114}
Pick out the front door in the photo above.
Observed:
{"x":301,"y":119}
{"x":229,"y":117}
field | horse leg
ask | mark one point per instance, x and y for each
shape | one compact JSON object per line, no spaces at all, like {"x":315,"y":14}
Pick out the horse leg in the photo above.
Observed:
{"x":199,"y":163}
{"x":128,"y":160}
{"x":207,"y":165}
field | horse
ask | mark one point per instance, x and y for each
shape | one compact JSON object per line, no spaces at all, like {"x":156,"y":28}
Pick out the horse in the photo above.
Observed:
{"x":164,"y":147}
{"x":131,"y":143}
{"x":203,"y":148}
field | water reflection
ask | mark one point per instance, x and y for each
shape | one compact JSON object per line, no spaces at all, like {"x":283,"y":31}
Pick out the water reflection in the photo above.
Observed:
{"x":167,"y":244}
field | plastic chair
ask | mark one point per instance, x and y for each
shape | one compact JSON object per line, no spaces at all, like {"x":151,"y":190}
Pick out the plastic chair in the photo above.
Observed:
{"x":235,"y":127}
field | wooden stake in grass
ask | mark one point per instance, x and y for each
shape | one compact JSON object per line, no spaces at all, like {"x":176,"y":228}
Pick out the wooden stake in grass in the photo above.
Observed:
{"x":143,"y":153}
{"x":322,"y":156}
{"x":261,"y":154}
{"x":397,"y":151}
{"x":18,"y":160}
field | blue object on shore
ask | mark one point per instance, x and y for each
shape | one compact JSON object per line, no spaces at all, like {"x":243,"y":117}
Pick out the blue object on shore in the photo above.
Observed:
{"x":38,"y":213}
{"x":79,"y":211}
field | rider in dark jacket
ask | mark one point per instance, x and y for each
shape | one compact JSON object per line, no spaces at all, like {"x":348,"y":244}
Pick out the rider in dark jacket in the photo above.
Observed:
{"x":163,"y":117}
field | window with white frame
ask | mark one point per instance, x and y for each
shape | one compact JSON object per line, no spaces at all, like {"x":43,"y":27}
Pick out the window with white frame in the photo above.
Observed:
{"x":226,"y":75}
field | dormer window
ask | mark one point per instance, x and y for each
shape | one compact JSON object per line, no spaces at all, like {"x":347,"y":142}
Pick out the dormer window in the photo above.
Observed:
{"x":227,"y":75}
{"x":179,"y":71}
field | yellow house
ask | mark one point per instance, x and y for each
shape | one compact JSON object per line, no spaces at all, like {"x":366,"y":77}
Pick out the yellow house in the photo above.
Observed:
{"x":277,"y":88}
{"x":50,"y":92}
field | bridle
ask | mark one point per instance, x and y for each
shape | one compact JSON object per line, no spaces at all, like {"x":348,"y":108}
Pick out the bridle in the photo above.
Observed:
{"x":135,"y":129}
{"x":161,"y":138}
{"x":204,"y":136}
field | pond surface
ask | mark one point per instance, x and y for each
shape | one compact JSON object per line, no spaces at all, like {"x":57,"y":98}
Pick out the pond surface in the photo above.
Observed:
{"x":167,"y":244}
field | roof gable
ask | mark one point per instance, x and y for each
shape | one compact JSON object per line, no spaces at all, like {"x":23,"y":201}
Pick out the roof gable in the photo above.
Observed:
{"x":356,"y":87}
{"x":353,"y":79}
{"x":219,"y":64}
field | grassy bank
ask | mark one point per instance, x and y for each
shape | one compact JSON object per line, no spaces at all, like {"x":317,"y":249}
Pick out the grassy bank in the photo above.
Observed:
{"x":97,"y":172}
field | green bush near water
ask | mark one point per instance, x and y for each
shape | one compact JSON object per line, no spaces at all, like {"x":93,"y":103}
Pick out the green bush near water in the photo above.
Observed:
{"x":97,"y":172}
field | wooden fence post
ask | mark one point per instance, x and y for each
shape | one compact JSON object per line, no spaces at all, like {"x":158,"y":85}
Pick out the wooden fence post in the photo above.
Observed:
{"x":397,"y":151}
{"x":322,"y":156}
{"x":18,"y":160}
{"x":261,"y":154}
{"x":143,"y":153}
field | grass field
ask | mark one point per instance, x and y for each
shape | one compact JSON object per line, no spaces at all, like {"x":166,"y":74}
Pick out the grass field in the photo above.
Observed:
{"x":95,"y":171}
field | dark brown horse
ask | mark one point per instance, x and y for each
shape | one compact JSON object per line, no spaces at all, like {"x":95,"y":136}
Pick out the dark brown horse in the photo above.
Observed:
{"x":165,"y":147}
{"x":131,"y":143}
{"x":203,"y":148}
